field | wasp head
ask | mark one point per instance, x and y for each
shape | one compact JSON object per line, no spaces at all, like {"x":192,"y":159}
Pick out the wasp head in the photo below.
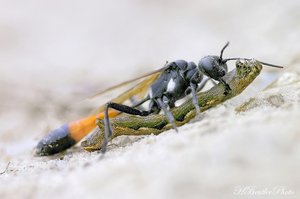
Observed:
{"x":214,"y":66}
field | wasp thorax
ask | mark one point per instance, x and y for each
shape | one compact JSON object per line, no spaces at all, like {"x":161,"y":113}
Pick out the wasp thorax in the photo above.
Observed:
{"x":213,"y":67}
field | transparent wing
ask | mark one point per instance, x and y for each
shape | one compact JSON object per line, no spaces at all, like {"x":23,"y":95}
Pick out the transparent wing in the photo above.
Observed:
{"x":141,"y":86}
{"x":138,"y":90}
{"x":126,"y":83}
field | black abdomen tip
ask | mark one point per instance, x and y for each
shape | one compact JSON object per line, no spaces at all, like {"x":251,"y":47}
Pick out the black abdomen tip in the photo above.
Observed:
{"x":55,"y":142}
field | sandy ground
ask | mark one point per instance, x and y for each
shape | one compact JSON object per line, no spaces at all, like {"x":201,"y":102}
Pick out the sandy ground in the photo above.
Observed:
{"x":54,"y":54}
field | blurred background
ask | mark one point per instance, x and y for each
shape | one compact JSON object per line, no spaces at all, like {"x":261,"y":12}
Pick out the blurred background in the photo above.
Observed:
{"x":55,"y":53}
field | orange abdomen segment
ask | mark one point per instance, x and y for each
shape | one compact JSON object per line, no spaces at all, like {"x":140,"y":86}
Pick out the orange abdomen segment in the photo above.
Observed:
{"x":80,"y":128}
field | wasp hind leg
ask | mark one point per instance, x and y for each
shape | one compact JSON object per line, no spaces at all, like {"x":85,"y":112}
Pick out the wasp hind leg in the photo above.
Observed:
{"x":122,"y":108}
{"x":132,"y":111}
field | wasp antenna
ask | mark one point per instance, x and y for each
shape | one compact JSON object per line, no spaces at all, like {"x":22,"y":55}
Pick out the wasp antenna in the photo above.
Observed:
{"x":221,"y":55}
{"x":236,"y":58}
{"x":263,"y":63}
{"x":272,"y":65}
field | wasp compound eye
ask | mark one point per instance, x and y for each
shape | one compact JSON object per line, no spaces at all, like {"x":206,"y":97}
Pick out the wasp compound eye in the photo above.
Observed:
{"x":222,"y":73}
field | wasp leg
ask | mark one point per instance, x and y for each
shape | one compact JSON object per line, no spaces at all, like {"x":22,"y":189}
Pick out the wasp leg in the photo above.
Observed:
{"x":137,"y":104}
{"x":122,"y":108}
{"x":168,"y":114}
{"x":204,"y":82}
{"x":194,"y":90}
{"x":212,"y":81}
{"x":227,"y":87}
{"x":195,"y":101}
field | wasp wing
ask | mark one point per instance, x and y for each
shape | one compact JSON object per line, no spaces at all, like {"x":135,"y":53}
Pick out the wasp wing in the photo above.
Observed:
{"x":122,"y":84}
{"x":138,"y":90}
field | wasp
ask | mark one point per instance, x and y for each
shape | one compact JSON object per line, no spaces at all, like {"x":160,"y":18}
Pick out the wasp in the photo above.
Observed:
{"x":164,"y":87}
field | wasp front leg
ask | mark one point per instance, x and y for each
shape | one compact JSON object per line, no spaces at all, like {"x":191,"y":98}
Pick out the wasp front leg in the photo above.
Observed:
{"x":227,"y":87}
